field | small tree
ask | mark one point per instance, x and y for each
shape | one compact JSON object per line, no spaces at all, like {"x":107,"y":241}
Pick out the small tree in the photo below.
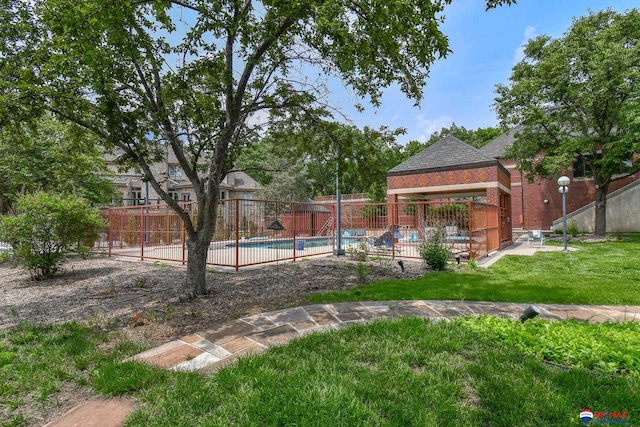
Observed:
{"x":47,"y":228}
{"x":433,"y":251}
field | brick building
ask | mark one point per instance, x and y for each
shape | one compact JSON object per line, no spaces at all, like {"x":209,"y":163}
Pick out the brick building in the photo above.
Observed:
{"x":538,"y":204}
{"x":451,"y":169}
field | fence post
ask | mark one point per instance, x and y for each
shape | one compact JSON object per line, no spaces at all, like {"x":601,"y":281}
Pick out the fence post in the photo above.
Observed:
{"x":394,"y":223}
{"x":183,"y":239}
{"x":237,"y":222}
{"x":110,"y":233}
{"x":122,"y":230}
{"x":293,"y":207}
{"x":470,"y":232}
{"x":142,"y":227}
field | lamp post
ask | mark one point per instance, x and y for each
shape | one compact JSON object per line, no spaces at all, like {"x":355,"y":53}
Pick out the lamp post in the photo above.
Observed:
{"x":338,"y":251}
{"x":563,"y":182}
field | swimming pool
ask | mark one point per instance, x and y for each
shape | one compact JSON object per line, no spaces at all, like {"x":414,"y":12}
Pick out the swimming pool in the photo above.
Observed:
{"x":309,"y":242}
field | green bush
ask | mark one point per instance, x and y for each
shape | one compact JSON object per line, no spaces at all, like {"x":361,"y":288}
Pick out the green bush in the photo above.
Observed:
{"x":433,"y":251}
{"x":363,"y":271}
{"x":47,"y":228}
{"x":572,"y":229}
{"x":5,"y":255}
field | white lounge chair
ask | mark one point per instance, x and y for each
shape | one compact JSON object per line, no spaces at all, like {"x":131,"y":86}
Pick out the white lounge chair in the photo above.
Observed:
{"x":535,"y":236}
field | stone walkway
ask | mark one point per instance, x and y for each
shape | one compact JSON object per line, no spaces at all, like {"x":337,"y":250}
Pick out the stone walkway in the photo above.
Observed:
{"x":209,"y":350}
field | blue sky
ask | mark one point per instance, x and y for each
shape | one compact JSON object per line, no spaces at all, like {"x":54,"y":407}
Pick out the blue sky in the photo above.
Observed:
{"x":485,"y":45}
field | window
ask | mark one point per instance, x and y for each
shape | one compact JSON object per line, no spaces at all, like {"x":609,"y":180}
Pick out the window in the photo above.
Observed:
{"x":175,"y":171}
{"x":136,"y":196}
{"x":186,"y":197}
{"x":581,"y":167}
{"x":173,"y":193}
{"x":247,"y":197}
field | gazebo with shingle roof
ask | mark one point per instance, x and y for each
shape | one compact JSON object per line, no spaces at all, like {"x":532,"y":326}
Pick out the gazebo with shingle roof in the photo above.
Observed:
{"x":451,"y":169}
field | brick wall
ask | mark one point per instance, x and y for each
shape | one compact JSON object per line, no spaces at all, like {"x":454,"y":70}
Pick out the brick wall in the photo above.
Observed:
{"x":442,"y":178}
{"x":540,"y":215}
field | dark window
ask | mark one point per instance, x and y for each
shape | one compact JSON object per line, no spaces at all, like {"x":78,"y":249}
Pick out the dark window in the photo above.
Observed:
{"x":136,"y":196}
{"x":580,"y":168}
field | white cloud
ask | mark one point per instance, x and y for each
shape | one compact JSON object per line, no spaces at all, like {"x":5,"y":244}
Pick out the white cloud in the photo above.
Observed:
{"x":529,"y":33}
{"x":426,"y":126}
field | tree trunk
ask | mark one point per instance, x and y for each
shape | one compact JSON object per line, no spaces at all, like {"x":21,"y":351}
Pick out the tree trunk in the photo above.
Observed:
{"x":197,"y":267}
{"x":601,"y":210}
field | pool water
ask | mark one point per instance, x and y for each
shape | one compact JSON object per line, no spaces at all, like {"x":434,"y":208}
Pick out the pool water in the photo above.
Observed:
{"x":312,"y":242}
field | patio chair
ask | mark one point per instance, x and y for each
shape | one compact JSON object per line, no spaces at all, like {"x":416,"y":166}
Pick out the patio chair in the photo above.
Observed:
{"x":451,"y":231}
{"x":387,"y":238}
{"x":535,"y":236}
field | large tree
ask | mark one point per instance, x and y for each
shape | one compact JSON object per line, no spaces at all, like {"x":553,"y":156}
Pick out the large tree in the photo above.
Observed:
{"x":577,"y":98}
{"x":196,"y":75}
{"x":45,"y":154}
{"x":280,"y":177}
{"x":475,"y":137}
{"x":362,"y":157}
{"x":301,"y":161}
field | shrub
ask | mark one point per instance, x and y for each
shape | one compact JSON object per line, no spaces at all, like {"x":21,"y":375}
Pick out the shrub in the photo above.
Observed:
{"x":433,"y":251}
{"x":362,"y":272}
{"x":5,"y":254}
{"x":359,"y":253}
{"x":47,"y":228}
{"x":572,"y":229}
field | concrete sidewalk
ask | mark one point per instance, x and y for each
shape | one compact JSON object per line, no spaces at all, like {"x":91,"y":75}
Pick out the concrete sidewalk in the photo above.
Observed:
{"x":520,"y":247}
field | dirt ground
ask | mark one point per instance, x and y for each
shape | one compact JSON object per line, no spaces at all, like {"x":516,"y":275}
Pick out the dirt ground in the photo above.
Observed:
{"x":141,"y":298}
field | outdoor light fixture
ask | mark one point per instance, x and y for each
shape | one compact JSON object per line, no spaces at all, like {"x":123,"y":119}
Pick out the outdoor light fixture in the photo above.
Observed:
{"x":401,"y":264}
{"x":563,"y":182}
{"x":457,"y":256}
{"x":529,"y":313}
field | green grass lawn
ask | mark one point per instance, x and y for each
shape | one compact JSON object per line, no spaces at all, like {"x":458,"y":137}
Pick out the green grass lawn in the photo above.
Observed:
{"x":605,"y":273}
{"x":409,"y":372}
{"x":468,"y":372}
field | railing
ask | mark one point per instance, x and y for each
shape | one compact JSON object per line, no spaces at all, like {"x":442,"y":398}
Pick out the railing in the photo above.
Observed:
{"x":243,"y":236}
{"x":362,"y":197}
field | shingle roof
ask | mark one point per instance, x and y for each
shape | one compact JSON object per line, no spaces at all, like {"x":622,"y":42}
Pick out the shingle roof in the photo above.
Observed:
{"x":497,"y":147}
{"x":449,"y":152}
